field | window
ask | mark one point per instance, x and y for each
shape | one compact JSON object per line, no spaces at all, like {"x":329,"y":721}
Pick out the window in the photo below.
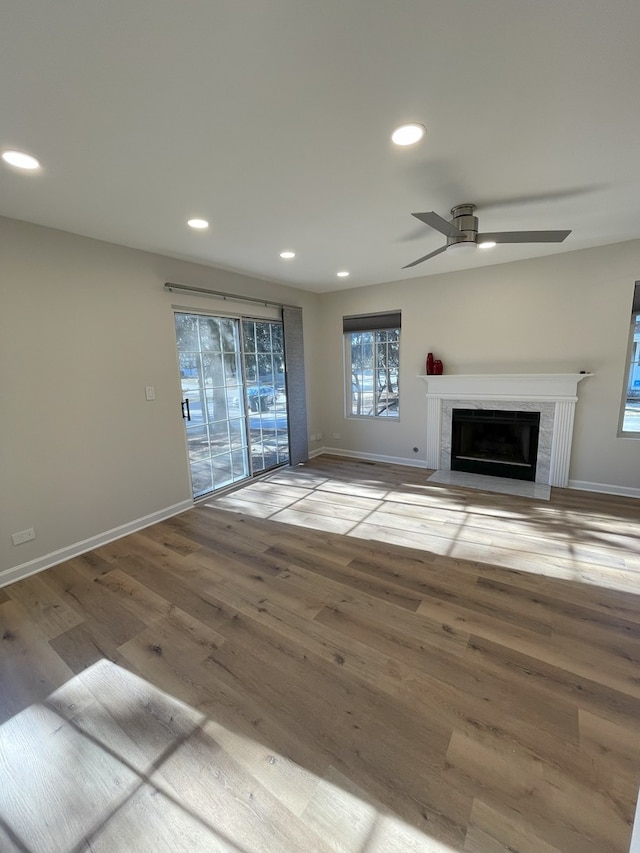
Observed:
{"x":372,"y":357}
{"x":631,"y":404}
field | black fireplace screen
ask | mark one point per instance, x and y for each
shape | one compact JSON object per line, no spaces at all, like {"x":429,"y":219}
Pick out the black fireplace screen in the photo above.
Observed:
{"x":499,"y":443}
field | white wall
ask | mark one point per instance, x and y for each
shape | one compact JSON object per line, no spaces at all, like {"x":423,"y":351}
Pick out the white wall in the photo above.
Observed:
{"x":84,"y":327}
{"x":564,"y":313}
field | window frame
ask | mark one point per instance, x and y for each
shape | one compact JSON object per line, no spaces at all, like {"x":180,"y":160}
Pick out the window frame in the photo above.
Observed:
{"x":372,"y":324}
{"x":631,"y":363}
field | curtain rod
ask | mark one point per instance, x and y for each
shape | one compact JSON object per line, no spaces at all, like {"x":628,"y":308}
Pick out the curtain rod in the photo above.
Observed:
{"x":220,"y":294}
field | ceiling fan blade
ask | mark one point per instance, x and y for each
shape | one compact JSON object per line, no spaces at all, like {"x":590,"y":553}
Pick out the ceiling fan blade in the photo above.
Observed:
{"x":426,"y":257}
{"x":432,"y":219}
{"x":524,"y":236}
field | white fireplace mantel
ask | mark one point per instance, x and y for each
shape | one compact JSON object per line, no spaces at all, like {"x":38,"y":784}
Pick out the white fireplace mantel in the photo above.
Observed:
{"x":519,"y":386}
{"x":554,"y":395}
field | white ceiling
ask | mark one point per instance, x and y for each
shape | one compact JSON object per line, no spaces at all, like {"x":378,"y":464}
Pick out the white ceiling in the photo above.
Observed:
{"x":272,"y":118}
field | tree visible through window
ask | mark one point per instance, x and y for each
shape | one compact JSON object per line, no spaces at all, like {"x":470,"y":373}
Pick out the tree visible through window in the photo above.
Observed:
{"x":631,"y":412}
{"x":373,"y":362}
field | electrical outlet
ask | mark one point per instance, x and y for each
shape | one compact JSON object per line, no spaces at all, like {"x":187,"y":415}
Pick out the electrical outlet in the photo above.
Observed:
{"x":23,"y":536}
{"x":312,"y":437}
{"x":319,"y":435}
{"x":336,"y":435}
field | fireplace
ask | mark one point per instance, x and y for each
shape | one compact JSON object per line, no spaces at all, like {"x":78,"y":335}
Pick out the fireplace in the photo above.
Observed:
{"x":551,"y":396}
{"x":497,"y":442}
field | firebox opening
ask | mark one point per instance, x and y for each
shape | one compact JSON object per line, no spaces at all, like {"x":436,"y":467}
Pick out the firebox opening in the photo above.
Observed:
{"x":494,"y":442}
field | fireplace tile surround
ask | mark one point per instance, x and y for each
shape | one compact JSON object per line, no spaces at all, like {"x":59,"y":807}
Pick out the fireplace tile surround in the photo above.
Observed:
{"x":553,"y":395}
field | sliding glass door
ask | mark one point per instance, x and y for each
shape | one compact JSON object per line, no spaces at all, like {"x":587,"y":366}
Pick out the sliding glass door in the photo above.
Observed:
{"x":266,"y":393}
{"x":233,"y":397}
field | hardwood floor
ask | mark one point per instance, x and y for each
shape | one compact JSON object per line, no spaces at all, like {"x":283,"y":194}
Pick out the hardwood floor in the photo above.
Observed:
{"x":339,"y":657}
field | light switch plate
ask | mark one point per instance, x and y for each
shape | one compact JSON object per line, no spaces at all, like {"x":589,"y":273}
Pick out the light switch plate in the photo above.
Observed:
{"x":150,"y":392}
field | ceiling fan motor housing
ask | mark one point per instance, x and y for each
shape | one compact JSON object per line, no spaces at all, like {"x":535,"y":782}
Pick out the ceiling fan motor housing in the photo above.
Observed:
{"x":465,"y":221}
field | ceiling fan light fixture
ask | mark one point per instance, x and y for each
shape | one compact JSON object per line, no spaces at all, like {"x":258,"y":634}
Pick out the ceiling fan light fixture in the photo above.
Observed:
{"x":198,"y":224}
{"x":408,"y":134}
{"x":462,"y":246}
{"x":20,"y":160}
{"x":487,"y":244}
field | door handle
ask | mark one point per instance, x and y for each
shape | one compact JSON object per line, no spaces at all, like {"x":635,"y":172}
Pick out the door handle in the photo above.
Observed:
{"x":184,"y":403}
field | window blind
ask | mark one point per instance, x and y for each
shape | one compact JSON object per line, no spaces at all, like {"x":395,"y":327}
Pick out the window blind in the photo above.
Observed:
{"x":296,"y":391}
{"x":371,"y":322}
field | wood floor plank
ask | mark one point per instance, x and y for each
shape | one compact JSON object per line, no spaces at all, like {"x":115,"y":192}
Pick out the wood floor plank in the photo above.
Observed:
{"x":353,"y":579}
{"x":556,"y":682}
{"x":94,"y":604}
{"x":29,"y":668}
{"x":548,"y":795}
{"x":85,"y":645}
{"x":609,"y":602}
{"x":560,"y":613}
{"x":615,"y":752}
{"x":91,"y":564}
{"x":146,"y":604}
{"x":169,"y":652}
{"x":45,"y":608}
{"x":340,"y":656}
{"x":258,"y":589}
{"x":494,"y":831}
{"x":176,"y":585}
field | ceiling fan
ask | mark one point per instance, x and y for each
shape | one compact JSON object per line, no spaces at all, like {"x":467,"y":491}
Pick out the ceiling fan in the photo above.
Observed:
{"x":462,"y":231}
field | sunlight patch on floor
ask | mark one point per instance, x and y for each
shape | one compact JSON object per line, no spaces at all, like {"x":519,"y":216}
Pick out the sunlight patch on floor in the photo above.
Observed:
{"x":531,"y":537}
{"x":110,"y":763}
{"x":500,"y":485}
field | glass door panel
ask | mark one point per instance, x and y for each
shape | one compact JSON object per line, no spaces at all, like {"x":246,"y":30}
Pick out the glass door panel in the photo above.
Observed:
{"x":266,"y":393}
{"x":213,"y":400}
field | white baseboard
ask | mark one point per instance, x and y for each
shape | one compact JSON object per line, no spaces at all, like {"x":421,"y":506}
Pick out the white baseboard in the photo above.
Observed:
{"x":371,"y":457}
{"x":605,"y":488}
{"x":48,"y":560}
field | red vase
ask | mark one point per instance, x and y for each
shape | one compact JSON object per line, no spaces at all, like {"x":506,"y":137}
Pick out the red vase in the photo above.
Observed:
{"x":430,"y":364}
{"x":437,"y":367}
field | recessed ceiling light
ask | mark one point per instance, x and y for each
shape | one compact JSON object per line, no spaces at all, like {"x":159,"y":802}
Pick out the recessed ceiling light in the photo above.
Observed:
{"x":488,"y":244}
{"x":198,"y":224}
{"x":342,"y":274}
{"x":408,"y":134}
{"x":20,"y":160}
{"x":287,"y":254}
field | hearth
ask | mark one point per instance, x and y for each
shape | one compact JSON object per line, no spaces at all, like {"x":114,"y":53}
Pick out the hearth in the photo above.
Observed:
{"x":501,"y":443}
